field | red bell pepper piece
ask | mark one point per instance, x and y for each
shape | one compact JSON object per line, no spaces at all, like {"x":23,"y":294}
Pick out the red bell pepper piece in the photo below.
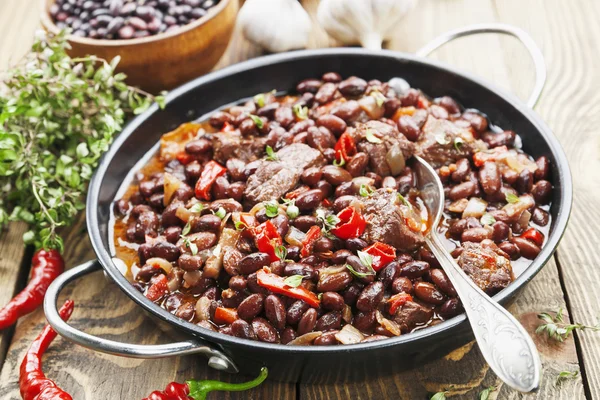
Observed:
{"x":481,"y":157}
{"x":351,"y":225}
{"x":297,"y":192}
{"x":275,"y":284}
{"x":225,"y":315}
{"x":184,"y":157}
{"x":267,"y":238}
{"x":398,"y":300}
{"x":158,"y":288}
{"x":534,"y":235}
{"x":382,"y":254}
{"x":227,"y":127}
{"x":309,"y":241}
{"x":212,"y":170}
{"x":345,"y":147}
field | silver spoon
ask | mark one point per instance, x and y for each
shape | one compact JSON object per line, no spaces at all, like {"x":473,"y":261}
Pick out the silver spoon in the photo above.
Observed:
{"x":503,"y":341}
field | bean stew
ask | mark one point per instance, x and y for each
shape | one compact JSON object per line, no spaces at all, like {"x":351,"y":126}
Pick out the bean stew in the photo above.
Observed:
{"x":294,"y":218}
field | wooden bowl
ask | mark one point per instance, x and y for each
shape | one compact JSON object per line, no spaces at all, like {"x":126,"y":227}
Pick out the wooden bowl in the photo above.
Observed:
{"x":166,"y":60}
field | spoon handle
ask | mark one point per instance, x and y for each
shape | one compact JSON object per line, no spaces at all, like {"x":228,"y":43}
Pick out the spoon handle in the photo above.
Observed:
{"x":504,"y":343}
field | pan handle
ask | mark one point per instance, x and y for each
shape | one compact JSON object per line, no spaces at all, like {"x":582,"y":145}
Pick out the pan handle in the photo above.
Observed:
{"x":216,"y":359}
{"x":521,"y":35}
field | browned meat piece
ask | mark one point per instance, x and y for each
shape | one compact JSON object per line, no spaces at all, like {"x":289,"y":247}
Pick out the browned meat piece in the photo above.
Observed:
{"x":273,"y":179}
{"x":443,"y":142}
{"x":487,"y":265}
{"x":387,"y":219}
{"x":391,"y":139}
{"x":228,"y":145}
{"x":412,"y":314}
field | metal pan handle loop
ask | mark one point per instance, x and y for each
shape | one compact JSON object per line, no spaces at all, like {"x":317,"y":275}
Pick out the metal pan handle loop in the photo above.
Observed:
{"x":216,"y":359}
{"x":521,"y":35}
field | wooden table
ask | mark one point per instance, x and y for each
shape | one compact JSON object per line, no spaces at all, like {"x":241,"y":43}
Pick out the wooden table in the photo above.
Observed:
{"x":567,"y":33}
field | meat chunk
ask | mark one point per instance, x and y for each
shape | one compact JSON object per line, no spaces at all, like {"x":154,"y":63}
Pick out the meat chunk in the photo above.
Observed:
{"x":228,"y":145}
{"x":388,"y":220}
{"x":273,"y":179}
{"x":444,"y":143}
{"x":390,"y":140}
{"x":411,"y":315}
{"x":487,"y":265}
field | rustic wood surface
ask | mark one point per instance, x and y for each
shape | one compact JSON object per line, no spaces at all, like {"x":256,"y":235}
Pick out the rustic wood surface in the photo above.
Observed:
{"x":567,"y":32}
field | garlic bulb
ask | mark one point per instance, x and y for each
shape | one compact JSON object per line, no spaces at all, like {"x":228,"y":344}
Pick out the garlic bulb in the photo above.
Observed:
{"x":364,"y":22}
{"x":276,"y":25}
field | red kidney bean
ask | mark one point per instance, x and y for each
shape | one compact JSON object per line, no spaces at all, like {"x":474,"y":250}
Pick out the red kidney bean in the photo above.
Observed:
{"x":405,"y":257}
{"x":295,"y":312}
{"x":543,"y":168}
{"x":323,"y":245}
{"x":268,"y":110}
{"x":336,"y":125}
{"x":489,"y":177}
{"x":307,"y":322}
{"x":389,"y":182}
{"x":282,"y":224}
{"x":450,"y":308}
{"x":287,"y":335}
{"x":352,"y":87}
{"x":299,"y":269}
{"x":165,"y":250}
{"x":208,"y":222}
{"x":348,"y":111}
{"x":242,"y":329}
{"x":172,"y":234}
{"x":325,"y":93}
{"x":275,"y":311}
{"x":326,"y":339}
{"x":332,"y":301}
{"x":365,"y":321}
{"x":190,"y":262}
{"x":253,"y":262}
{"x":331,"y":77}
{"x":462,"y":190}
{"x":329,"y":321}
{"x":357,"y":164}
{"x":304,"y":222}
{"x":193,"y":171}
{"x":540,"y":217}
{"x":238,"y":283}
{"x":541,"y":192}
{"x":428,"y":293}
{"x":309,"y":200}
{"x":311,"y":176}
{"x":231,"y":298}
{"x":356,"y":244}
{"x":510,"y":249}
{"x":251,"y":306}
{"x":438,"y":112}
{"x":146,"y":272}
{"x":449,"y":104}
{"x":509,"y":176}
{"x":359,"y":267}
{"x":345,"y":189}
{"x":457,"y":227}
{"x":342,"y":202}
{"x":236,"y":190}
{"x":301,"y":126}
{"x":370,"y":297}
{"x":340,"y":256}
{"x":336,"y":175}
{"x":352,"y":292}
{"x":220,"y":187}
{"x":463,"y":170}
{"x":320,"y":138}
{"x":501,"y":231}
{"x":441,"y":280}
{"x":476,"y":235}
{"x":409,"y":128}
{"x":198,"y":146}
{"x":309,"y":85}
{"x":389,"y":273}
{"x":334,"y":282}
{"x":414,"y":269}
{"x":524,"y":181}
{"x":527,"y":248}
{"x":477,"y":121}
{"x":506,"y":138}
{"x":218,"y":119}
{"x":264,"y":331}
{"x":231,"y":258}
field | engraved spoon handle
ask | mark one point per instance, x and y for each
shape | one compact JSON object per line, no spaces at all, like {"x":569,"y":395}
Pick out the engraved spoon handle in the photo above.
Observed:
{"x":504,"y":343}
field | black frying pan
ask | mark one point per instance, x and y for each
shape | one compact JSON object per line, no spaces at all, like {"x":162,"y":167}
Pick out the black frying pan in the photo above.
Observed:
{"x":283,"y":71}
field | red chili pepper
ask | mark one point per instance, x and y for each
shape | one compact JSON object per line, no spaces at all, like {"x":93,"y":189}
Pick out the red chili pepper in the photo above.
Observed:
{"x":309,"y":240}
{"x":398,"y":300}
{"x":534,"y":235}
{"x":225,"y":315}
{"x":297,"y":192}
{"x":184,"y":157}
{"x":276,"y":284}
{"x":481,"y":157}
{"x":227,"y":127}
{"x":345,"y":147}
{"x":248,"y":220}
{"x":351,"y":225}
{"x":197,"y":390}
{"x":32,"y":382}
{"x":212,"y":170}
{"x":326,"y":203}
{"x":382,"y":254}
{"x":158,"y":288}
{"x":46,"y":265}
{"x":267,"y":239}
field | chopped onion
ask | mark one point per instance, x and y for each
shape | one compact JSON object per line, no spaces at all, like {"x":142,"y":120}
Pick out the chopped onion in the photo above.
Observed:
{"x":305,"y":339}
{"x":183,"y":214}
{"x":161,"y":263}
{"x":524,"y":219}
{"x":395,"y":160}
{"x":295,"y":236}
{"x":369,"y":106}
{"x":514,"y":210}
{"x":347,"y":313}
{"x":349,"y":335}
{"x":174,"y":280}
{"x":171,"y":185}
{"x":476,"y":207}
{"x":121,"y":266}
{"x":390,"y":326}
{"x":458,"y":206}
{"x":213,"y":264}
{"x":203,"y":308}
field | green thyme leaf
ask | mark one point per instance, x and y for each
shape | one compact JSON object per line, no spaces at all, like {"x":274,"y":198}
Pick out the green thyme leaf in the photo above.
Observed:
{"x":301,"y":112}
{"x":439,"y":396}
{"x":557,"y":329}
{"x":281,"y":252}
{"x":442,"y":139}
{"x":485,"y":393}
{"x":370,"y":136}
{"x":197,"y":208}
{"x":293,"y":281}
{"x":328,"y":221}
{"x":365,"y":258}
{"x":359,"y":274}
{"x":221,"y":213}
{"x":512,"y":198}
{"x":487,"y":219}
{"x":257,"y":121}
{"x":271,"y":156}
{"x":458,"y":143}
{"x":271,"y":209}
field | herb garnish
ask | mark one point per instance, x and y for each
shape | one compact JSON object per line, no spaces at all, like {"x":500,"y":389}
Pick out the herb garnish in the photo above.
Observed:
{"x":366,"y":259}
{"x":329,"y":222}
{"x":260,"y":99}
{"x":556,"y":328}
{"x":221,"y":213}
{"x":370,"y":136}
{"x":301,"y":112}
{"x":340,"y":163}
{"x":292,"y":209}
{"x":379,"y":97}
{"x":197,"y":208}
{"x":186,"y":229}
{"x":257,"y":121}
{"x":240,"y":226}
{"x":271,"y":156}
{"x":281,"y":253}
{"x":564,"y":375}
{"x":365,"y":190}
{"x":58,"y":115}
{"x":293,"y":281}
{"x":512,"y":198}
{"x":485,"y":393}
{"x":487,"y":219}
{"x":359,"y":274}
{"x":271,"y":209}
{"x":458,"y":143}
{"x":403,"y":200}
{"x":439,"y":396}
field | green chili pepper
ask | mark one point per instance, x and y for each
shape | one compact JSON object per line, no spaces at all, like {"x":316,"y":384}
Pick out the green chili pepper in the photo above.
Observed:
{"x":199,"y":389}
